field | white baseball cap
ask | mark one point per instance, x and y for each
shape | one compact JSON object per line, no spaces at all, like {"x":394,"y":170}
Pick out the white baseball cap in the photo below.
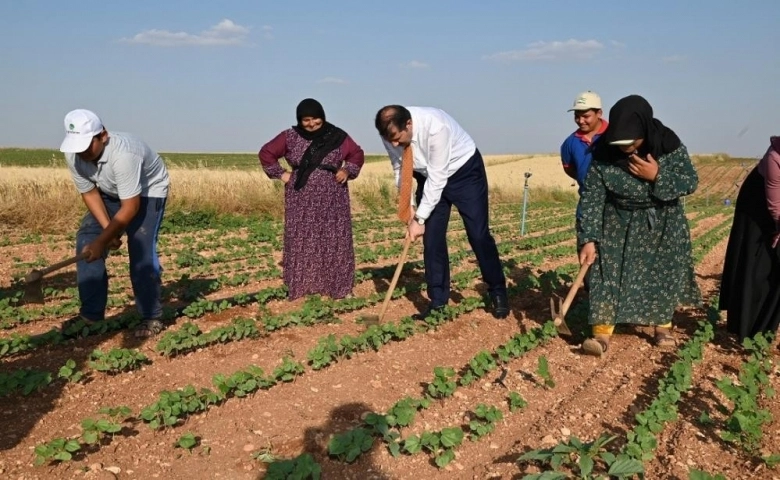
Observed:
{"x":586,"y":101}
{"x":80,"y":127}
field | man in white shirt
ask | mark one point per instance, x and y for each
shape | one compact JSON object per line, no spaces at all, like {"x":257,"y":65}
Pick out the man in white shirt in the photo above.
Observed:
{"x":124,"y":185}
{"x":449,"y":171}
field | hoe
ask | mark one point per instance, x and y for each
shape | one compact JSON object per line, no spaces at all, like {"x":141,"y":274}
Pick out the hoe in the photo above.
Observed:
{"x":33,"y":293}
{"x":377,"y":319}
{"x":559,"y":314}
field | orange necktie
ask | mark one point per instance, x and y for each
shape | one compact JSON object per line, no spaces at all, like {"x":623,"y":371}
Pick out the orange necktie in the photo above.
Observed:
{"x":405,"y":193}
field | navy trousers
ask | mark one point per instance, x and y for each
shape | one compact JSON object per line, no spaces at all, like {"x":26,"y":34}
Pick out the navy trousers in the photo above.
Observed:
{"x":467,"y":189}
{"x":145,"y":272}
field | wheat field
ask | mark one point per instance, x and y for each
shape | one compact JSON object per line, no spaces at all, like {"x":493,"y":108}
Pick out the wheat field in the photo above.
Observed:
{"x":43,"y":199}
{"x":504,"y":171}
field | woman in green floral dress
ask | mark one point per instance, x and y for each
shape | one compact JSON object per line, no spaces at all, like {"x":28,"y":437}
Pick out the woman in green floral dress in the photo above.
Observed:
{"x":634,"y":233}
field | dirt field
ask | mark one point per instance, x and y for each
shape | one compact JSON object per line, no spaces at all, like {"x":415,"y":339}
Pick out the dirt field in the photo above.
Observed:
{"x":324,"y":372}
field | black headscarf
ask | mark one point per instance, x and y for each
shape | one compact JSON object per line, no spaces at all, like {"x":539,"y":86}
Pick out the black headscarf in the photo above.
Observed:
{"x":323,"y":140}
{"x":632,"y":118}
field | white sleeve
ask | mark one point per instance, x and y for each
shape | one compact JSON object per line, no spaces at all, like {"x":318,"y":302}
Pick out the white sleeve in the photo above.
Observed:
{"x":395,"y":161}
{"x":439,"y":152}
{"x":127,"y":171}
{"x":83,"y":184}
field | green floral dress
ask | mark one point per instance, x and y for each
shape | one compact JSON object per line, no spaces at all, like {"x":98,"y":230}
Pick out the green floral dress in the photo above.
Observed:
{"x":644,"y":268}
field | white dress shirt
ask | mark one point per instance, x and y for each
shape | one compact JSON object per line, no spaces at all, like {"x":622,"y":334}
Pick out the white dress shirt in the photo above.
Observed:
{"x":440,"y":147}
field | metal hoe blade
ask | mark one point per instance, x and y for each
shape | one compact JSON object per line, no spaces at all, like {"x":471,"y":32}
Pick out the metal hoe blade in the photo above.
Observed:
{"x":558,"y":314}
{"x":33,"y":293}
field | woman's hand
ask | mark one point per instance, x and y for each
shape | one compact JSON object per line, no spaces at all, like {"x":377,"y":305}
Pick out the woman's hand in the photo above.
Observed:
{"x":286,"y":177}
{"x":646,"y":169}
{"x":588,"y":253}
{"x":342,"y":176}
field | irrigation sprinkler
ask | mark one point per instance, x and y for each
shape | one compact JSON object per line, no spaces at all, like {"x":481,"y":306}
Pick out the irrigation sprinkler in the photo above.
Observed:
{"x":525,"y":202}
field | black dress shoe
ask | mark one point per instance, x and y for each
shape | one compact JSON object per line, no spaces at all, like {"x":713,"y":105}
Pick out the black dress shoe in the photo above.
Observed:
{"x":500,"y":306}
{"x":427,"y":313}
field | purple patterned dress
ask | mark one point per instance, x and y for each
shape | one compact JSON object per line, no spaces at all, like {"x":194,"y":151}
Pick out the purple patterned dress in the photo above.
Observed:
{"x":319,"y":257}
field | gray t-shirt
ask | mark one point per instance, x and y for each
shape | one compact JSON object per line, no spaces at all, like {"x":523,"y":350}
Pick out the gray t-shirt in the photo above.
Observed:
{"x":128,"y":167}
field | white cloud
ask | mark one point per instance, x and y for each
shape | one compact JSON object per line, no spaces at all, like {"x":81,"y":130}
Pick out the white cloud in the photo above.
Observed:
{"x":618,"y":45}
{"x":673,"y":59}
{"x":415,"y":64}
{"x":225,"y":33}
{"x":556,"y":50}
{"x":332,"y":80}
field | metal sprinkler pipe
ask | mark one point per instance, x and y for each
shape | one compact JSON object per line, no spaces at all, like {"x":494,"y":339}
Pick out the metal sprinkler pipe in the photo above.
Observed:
{"x":525,"y":202}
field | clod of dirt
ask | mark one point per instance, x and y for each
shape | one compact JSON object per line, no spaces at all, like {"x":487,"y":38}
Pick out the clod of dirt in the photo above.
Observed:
{"x":100,"y":475}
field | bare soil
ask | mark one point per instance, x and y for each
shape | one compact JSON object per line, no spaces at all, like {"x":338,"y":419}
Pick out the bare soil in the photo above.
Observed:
{"x":591,"y":396}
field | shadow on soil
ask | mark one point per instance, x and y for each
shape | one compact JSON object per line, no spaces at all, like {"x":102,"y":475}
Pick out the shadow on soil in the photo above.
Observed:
{"x":686,"y":323}
{"x":315,"y":442}
{"x":25,"y":411}
{"x":700,"y":400}
{"x":532,"y":301}
{"x":412,"y":276}
{"x":697,"y":400}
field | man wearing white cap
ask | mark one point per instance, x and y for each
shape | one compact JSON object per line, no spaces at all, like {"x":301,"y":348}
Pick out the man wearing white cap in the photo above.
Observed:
{"x":575,"y":150}
{"x":124,"y":185}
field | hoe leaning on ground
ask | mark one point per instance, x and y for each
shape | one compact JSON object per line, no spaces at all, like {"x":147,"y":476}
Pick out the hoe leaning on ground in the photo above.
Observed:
{"x":377,"y":319}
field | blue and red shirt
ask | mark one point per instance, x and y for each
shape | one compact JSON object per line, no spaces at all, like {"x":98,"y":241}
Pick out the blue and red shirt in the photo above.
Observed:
{"x":576,"y":152}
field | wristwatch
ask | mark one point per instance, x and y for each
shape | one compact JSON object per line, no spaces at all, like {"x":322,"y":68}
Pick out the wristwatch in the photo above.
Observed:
{"x":419,"y":220}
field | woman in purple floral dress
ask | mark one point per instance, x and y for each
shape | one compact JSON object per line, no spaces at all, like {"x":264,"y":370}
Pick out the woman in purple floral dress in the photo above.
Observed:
{"x":318,"y":251}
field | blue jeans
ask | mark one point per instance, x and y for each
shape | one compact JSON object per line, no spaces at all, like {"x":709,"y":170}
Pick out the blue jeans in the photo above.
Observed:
{"x":145,"y":271}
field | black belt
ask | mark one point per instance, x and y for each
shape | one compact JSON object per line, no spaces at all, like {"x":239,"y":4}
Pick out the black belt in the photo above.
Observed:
{"x":329,"y":168}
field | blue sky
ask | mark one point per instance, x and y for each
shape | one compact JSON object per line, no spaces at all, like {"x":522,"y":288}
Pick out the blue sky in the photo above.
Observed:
{"x":226,"y":76}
